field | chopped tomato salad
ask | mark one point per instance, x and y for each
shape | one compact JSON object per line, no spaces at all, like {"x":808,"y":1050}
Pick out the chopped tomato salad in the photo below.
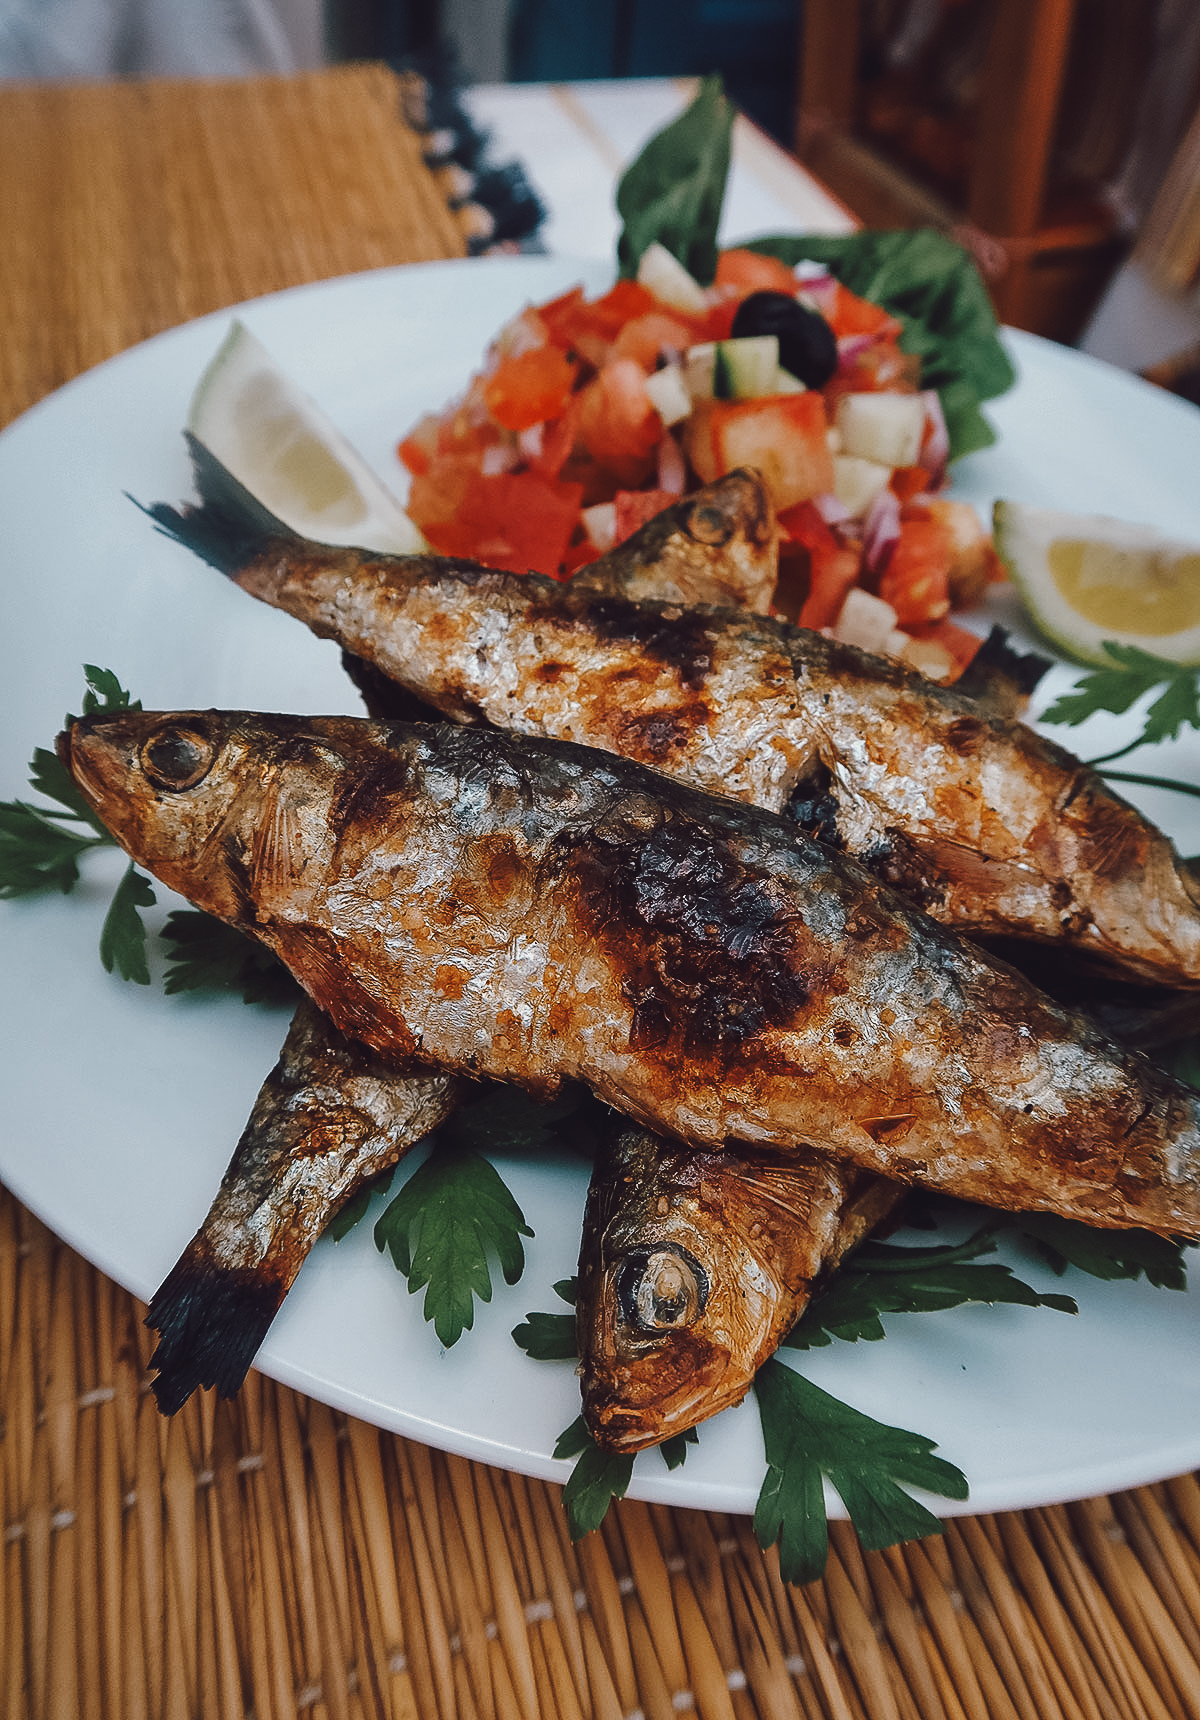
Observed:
{"x":590,"y":416}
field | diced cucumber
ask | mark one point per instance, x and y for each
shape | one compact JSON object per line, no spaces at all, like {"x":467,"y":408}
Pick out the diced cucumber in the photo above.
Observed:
{"x":669,"y":393}
{"x":887,"y":428}
{"x":857,"y":482}
{"x":742,"y":369}
{"x":665,"y":276}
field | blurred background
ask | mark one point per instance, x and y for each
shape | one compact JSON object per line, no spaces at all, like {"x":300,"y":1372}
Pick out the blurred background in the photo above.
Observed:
{"x":1057,"y":139}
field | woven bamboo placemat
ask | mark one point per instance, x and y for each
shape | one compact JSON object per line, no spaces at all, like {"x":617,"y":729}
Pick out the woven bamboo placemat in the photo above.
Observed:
{"x":270,"y":1557}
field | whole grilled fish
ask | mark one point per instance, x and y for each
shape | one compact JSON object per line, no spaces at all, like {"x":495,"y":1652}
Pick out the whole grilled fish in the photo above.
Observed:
{"x":329,"y":1117}
{"x":537,"y":911}
{"x":992,"y":829}
{"x":694,"y":1266}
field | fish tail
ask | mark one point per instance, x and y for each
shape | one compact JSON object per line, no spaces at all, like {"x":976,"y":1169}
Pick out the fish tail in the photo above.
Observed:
{"x":228,"y":526}
{"x":211,"y":1320}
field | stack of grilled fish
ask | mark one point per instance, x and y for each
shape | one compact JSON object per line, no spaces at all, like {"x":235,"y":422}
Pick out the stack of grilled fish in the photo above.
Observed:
{"x":631,"y":831}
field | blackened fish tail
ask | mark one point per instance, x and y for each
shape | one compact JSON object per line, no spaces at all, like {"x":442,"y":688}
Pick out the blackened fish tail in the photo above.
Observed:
{"x":228,"y":526}
{"x":211,"y":1320}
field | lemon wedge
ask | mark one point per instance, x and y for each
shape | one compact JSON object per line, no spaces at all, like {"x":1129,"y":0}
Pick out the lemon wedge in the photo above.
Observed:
{"x":281,"y":446}
{"x":1085,"y":578}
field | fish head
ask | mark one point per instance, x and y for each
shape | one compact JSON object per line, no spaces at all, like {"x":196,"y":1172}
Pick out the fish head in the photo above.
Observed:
{"x":719,"y":545}
{"x":684,"y":1287}
{"x":225,"y":807}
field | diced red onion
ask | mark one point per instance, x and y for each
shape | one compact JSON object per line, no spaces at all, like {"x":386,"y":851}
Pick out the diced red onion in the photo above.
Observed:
{"x":935,"y":444}
{"x":529,"y":442}
{"x":850,"y":345}
{"x":672,"y":468}
{"x":833,"y":512}
{"x":499,"y":457}
{"x":881,"y":531}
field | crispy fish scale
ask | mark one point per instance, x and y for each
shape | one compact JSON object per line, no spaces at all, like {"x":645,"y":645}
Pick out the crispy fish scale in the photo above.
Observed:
{"x":693,"y":1267}
{"x":994,"y":830}
{"x":328,"y":1117}
{"x":537,"y":912}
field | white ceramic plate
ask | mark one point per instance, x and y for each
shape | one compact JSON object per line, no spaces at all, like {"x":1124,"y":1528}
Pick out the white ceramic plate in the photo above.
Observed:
{"x":120,"y":1106}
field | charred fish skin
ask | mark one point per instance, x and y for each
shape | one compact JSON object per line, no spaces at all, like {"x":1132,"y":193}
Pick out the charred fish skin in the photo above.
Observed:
{"x":995,"y":831}
{"x":693,"y":1267}
{"x":538,"y":912}
{"x":328,"y":1117}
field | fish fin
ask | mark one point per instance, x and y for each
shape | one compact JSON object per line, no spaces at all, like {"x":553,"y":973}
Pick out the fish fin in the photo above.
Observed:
{"x":229,"y":525}
{"x":278,"y":857}
{"x":211,"y":1320}
{"x":1000,"y":677}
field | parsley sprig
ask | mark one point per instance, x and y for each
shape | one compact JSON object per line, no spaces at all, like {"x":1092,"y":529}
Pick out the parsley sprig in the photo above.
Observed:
{"x":810,"y":1435}
{"x":881,"y":1278}
{"x":1134,"y":674}
{"x":42,"y":847}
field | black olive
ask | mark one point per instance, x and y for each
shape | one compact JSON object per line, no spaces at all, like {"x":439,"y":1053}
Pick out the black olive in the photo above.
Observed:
{"x":807,"y":344}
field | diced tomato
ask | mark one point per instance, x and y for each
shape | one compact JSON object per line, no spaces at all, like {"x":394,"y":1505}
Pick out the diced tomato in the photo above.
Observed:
{"x":910,"y":481}
{"x":646,"y":337}
{"x":718,"y":324}
{"x":579,"y":554}
{"x":916,"y":580}
{"x":751,"y":273}
{"x":783,"y":435}
{"x":530,"y":388}
{"x":618,"y":424}
{"x":558,"y":315}
{"x":513,"y":520}
{"x":420,"y":445}
{"x":973,"y":562}
{"x":852,"y":315}
{"x":960,"y":642}
{"x":558,"y":439}
{"x":591,"y":329}
{"x":635,"y":507}
{"x":833,"y":566}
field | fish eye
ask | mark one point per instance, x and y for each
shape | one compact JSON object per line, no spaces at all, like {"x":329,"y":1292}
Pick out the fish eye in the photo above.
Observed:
{"x":661,"y":1289}
{"x":177,"y":757}
{"x":709,"y":524}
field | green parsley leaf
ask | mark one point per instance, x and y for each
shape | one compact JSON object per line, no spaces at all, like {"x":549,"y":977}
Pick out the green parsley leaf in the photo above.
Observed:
{"x":50,"y":776}
{"x":105,"y":695}
{"x":548,"y":1337}
{"x":354,"y":1209}
{"x":884,"y":1279}
{"x":36,"y":853}
{"x":1134,"y":673}
{"x":1107,"y":1254}
{"x":674,"y":1450}
{"x":208,"y":955}
{"x":597,"y":1479}
{"x":452,"y":1214}
{"x":808,"y":1435}
{"x":123,"y":934}
{"x":672,"y":193}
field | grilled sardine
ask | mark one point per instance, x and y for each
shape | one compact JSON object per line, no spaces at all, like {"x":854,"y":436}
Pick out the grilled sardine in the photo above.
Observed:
{"x":992,"y":829}
{"x":694,"y":1265}
{"x":537,"y":911}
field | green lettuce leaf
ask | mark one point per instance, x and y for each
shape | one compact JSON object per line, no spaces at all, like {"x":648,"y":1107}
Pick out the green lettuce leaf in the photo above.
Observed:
{"x":672,"y":193}
{"x":934,"y":288}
